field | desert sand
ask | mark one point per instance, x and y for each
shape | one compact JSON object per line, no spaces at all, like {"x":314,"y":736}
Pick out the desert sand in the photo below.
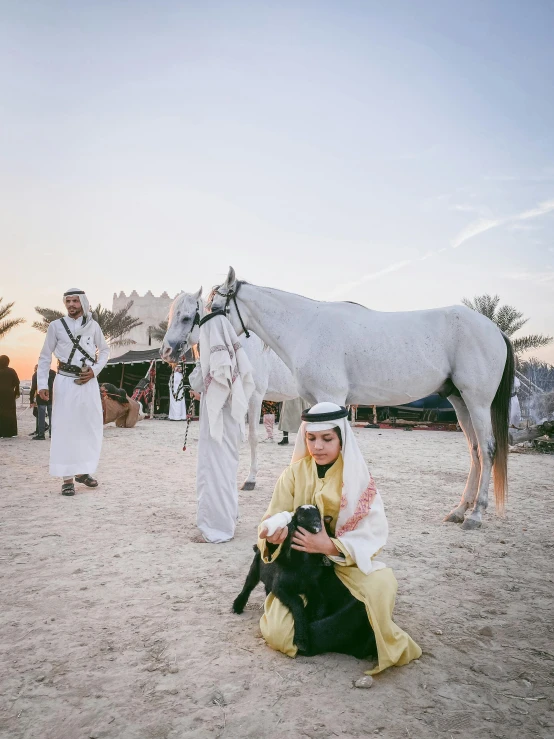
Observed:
{"x":113,"y":624}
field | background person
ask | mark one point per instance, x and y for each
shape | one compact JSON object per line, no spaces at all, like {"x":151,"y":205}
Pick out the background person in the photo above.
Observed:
{"x":81,"y":349}
{"x":42,"y":406}
{"x":290,"y":417}
{"x":269,"y":410}
{"x":9,"y":392}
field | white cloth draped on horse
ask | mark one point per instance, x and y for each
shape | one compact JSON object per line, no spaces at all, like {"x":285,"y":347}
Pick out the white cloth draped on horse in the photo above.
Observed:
{"x":224,"y":376}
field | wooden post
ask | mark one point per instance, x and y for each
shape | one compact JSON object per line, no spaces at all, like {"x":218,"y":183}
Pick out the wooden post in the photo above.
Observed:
{"x":375,"y":414}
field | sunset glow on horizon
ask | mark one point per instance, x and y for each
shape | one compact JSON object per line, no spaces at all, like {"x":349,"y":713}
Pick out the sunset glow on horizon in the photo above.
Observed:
{"x":355,"y":151}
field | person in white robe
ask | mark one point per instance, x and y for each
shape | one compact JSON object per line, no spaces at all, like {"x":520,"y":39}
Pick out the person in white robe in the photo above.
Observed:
{"x":76,"y":340}
{"x":224,"y":377}
{"x":291,"y":417}
{"x":515,"y":408}
{"x":177,"y":402}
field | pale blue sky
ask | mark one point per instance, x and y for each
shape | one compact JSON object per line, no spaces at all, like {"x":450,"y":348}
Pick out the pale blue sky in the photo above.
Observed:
{"x":397,"y":154}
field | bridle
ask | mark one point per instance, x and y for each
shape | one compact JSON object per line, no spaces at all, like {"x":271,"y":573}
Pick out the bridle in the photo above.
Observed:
{"x":196,"y":322}
{"x":229,"y":296}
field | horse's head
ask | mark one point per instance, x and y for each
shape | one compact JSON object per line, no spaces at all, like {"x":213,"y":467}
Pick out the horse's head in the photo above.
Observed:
{"x":182,"y":328}
{"x":224,"y":297}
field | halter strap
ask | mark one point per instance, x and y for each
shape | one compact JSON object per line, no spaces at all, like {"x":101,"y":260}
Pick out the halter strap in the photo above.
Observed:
{"x":209,"y":316}
{"x":232,"y":295}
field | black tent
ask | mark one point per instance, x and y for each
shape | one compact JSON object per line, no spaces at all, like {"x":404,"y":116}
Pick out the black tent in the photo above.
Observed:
{"x":128,"y":369}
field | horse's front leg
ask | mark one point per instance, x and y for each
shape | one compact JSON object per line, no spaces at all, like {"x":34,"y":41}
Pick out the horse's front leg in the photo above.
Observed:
{"x":254,"y":410}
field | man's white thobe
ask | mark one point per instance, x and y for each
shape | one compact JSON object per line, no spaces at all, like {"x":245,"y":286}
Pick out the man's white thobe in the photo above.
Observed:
{"x":224,"y":376}
{"x":76,"y":409}
{"x":177,"y":408}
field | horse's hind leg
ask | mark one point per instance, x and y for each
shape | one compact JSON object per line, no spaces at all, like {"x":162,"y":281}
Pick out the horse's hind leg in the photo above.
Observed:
{"x":482,"y":424}
{"x":254,"y":410}
{"x":470,"y":491}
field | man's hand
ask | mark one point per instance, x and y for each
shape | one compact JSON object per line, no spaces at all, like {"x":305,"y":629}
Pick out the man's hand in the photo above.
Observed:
{"x":44,"y":394}
{"x":195,"y":395}
{"x":86,"y":375}
{"x":320,"y":543}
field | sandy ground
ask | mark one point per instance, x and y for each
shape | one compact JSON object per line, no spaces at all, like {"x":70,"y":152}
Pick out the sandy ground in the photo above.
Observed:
{"x":113,"y":624}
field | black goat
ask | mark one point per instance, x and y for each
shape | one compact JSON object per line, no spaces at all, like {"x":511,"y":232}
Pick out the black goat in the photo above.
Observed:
{"x":296,"y":573}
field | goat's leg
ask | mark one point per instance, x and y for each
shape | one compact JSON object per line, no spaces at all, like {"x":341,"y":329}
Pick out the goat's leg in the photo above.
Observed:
{"x":254,"y":410}
{"x":295,"y":604}
{"x":470,"y":491}
{"x":252,"y":579}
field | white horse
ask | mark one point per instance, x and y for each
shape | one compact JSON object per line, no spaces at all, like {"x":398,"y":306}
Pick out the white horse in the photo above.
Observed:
{"x":272,"y":377}
{"x":349,"y":354}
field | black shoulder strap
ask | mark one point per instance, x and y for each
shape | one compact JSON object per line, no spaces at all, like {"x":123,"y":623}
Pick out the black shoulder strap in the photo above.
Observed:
{"x":76,"y":345}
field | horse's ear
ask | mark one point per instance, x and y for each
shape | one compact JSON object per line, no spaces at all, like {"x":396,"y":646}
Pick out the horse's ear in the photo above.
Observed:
{"x":231,"y":278}
{"x":197,"y":294}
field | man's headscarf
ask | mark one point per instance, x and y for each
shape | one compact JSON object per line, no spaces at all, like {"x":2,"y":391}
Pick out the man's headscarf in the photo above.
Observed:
{"x":87,"y":315}
{"x":361,"y":524}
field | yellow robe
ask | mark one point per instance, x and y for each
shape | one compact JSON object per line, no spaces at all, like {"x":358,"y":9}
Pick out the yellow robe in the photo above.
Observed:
{"x":300,"y":485}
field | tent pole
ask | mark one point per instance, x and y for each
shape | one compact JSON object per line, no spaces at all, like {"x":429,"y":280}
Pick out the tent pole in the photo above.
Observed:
{"x":122,"y":373}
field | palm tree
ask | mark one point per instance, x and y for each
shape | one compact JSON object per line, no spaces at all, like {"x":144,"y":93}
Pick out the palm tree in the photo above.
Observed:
{"x":114,"y":326}
{"x":509,"y":320}
{"x":6,"y":324}
{"x":158,"y":332}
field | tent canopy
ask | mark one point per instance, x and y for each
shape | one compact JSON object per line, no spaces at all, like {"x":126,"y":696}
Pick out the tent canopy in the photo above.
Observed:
{"x":148,"y":355}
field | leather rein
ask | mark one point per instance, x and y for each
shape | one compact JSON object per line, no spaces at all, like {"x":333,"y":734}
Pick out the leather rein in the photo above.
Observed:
{"x":230,"y":296}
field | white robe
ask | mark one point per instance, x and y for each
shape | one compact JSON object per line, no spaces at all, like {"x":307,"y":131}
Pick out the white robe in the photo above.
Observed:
{"x":515,"y":408}
{"x":77,"y":424}
{"x":177,"y":408}
{"x":224,"y":376}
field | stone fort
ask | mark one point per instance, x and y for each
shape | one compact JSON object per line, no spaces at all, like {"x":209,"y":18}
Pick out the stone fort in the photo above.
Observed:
{"x":149,"y":309}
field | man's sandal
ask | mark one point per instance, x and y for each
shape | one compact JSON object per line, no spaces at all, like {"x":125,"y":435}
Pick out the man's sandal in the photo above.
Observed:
{"x":68,"y":488}
{"x":87,"y":480}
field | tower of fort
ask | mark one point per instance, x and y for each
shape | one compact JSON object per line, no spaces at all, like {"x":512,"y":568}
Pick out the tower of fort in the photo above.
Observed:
{"x":149,"y":309}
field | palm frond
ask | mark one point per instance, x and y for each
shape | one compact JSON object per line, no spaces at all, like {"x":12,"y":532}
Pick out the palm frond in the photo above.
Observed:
{"x":114,"y":326}
{"x":6,"y":324}
{"x":533,"y":341}
{"x":157,"y":333}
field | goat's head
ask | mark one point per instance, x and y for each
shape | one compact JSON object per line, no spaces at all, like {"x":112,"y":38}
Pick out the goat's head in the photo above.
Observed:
{"x":309,"y":518}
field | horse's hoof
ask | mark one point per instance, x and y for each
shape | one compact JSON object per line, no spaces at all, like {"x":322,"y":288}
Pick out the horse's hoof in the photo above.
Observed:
{"x":454,"y":517}
{"x":248,"y":486}
{"x":471,"y":524}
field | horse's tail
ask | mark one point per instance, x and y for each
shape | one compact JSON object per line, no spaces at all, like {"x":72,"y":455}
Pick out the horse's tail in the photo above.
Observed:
{"x":500,"y":417}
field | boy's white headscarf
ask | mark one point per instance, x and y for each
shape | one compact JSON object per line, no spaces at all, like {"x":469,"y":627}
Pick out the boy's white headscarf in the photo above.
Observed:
{"x":85,"y":305}
{"x":226,"y":374}
{"x":362,"y":524}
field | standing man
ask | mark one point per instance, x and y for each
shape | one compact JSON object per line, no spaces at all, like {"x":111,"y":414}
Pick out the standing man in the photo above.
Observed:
{"x":177,"y":402}
{"x":290,"y":418}
{"x":224,"y":377}
{"x":81,"y":349}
